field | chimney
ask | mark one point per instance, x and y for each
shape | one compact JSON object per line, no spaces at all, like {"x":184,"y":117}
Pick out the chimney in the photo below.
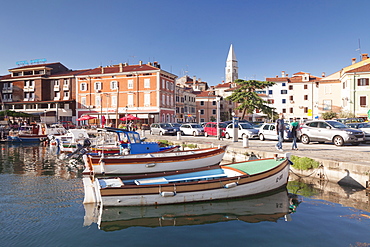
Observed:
{"x":282,"y":73}
{"x":364,"y":56}
{"x":120,"y":67}
{"x":323,"y":74}
{"x":125,"y":64}
{"x":194,"y":79}
{"x":149,"y":63}
{"x":353,"y":60}
{"x":140,"y":62}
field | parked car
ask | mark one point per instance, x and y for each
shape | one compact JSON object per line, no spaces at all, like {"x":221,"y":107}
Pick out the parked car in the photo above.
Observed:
{"x":210,"y":129}
{"x":162,"y":129}
{"x":245,"y":129}
{"x":268,"y":132}
{"x":193,"y":129}
{"x":330,"y":131}
{"x":176,"y":126}
{"x":365,"y":127}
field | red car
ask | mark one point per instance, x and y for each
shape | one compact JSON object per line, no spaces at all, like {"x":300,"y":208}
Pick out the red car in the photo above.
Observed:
{"x":210,"y":129}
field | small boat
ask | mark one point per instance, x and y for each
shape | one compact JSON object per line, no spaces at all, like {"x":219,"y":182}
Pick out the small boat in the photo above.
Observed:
{"x":69,"y":141}
{"x":120,"y":141}
{"x":153,"y":162}
{"x":227,"y":181}
{"x":265,"y":207}
{"x":35,"y":132}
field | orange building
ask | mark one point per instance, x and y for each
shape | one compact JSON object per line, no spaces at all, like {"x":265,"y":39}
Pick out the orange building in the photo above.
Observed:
{"x":144,"y":90}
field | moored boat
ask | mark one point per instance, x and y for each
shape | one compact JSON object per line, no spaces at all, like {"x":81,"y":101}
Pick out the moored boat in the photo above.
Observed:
{"x":153,"y":162}
{"x":35,"y":132}
{"x":227,"y":181}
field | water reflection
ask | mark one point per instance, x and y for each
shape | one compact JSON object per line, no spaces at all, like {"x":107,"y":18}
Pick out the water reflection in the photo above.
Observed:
{"x":268,"y":207}
{"x":332,"y":192}
{"x":34,"y":159}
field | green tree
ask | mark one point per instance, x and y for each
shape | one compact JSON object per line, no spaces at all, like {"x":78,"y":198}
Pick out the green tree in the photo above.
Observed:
{"x":328,"y":115}
{"x":246,"y":96}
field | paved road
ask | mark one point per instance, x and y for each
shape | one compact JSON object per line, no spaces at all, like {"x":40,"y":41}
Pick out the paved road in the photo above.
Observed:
{"x":358,"y":154}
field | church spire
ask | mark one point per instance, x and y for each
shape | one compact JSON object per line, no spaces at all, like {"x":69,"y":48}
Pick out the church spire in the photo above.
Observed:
{"x":231,"y":69}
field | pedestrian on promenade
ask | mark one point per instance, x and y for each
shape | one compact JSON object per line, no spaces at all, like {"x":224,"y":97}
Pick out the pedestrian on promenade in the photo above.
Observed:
{"x":280,"y":129}
{"x":293,"y":131}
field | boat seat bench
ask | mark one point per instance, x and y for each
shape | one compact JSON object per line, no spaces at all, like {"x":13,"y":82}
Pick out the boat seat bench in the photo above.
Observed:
{"x":257,"y":166}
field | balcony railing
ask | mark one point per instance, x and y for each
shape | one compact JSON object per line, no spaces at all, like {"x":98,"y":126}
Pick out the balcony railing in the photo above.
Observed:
{"x":65,"y":87}
{"x":7,"y":90}
{"x":56,"y":88}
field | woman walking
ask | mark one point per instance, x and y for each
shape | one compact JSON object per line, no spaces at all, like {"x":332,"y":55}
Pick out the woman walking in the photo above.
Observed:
{"x":293,"y":130}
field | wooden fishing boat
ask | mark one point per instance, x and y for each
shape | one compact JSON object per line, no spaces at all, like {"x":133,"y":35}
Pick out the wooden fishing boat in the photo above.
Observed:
{"x":265,"y":207}
{"x":153,"y":162}
{"x":35,"y":132}
{"x":228,"y":181}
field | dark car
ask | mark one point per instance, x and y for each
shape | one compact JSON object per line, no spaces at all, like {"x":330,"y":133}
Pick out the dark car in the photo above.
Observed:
{"x":176,"y":126}
{"x":162,"y":129}
{"x":365,"y":127}
{"x":330,"y":131}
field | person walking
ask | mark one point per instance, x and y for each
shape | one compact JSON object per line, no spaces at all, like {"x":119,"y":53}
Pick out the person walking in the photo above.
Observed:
{"x":293,"y":131}
{"x":280,"y":129}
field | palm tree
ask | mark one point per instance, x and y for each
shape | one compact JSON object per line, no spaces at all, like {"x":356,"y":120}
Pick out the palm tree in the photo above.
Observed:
{"x":247,"y":98}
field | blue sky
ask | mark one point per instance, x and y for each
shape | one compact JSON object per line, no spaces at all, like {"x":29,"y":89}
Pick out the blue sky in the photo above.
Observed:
{"x":188,"y":36}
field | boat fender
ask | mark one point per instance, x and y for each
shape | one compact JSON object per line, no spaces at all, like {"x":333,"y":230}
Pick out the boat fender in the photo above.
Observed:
{"x":230,"y":185}
{"x":168,"y":193}
{"x":102,"y":163}
{"x":150,"y":165}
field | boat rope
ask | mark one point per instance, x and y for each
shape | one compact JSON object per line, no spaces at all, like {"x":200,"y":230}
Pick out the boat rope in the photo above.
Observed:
{"x":322,"y":175}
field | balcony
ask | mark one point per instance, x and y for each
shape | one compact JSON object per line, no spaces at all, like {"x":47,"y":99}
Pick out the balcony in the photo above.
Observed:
{"x":7,"y":90}
{"x":29,"y":89}
{"x":65,"y":87}
{"x":56,"y":88}
{"x":29,"y":99}
{"x":57,"y":98}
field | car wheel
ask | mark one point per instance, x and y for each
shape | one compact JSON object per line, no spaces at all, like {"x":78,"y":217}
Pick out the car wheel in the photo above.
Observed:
{"x":338,"y":141}
{"x":182,"y":133}
{"x":227,"y":136}
{"x":262,"y":137}
{"x":243,"y":136}
{"x":160,"y":133}
{"x":205,"y":134}
{"x":194,"y":133}
{"x":305,"y":139}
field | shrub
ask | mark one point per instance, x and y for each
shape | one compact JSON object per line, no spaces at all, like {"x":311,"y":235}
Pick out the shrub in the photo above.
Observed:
{"x":303,"y":163}
{"x":329,"y":115}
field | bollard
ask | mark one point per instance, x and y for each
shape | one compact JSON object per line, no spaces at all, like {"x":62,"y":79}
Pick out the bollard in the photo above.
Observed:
{"x":245,"y":141}
{"x":179,"y":135}
{"x":142,"y":132}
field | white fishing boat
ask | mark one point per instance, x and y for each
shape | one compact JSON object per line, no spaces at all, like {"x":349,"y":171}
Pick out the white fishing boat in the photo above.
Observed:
{"x":227,"y":181}
{"x":153,"y":162}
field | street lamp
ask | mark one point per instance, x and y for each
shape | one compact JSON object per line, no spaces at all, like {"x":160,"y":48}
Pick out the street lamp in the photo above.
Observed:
{"x":199,"y":116}
{"x":45,"y":115}
{"x":218,"y":99}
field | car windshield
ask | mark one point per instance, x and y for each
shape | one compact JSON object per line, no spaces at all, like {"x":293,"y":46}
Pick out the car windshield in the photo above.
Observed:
{"x":164,"y":125}
{"x":176,"y":125}
{"x":246,"y":126}
{"x":337,"y":124}
{"x":196,"y":126}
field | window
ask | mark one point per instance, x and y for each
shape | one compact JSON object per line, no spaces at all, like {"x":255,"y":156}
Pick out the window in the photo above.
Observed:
{"x":291,"y":97}
{"x":283,"y":101}
{"x":66,"y":95}
{"x":363,"y":82}
{"x":305,"y":86}
{"x":114,"y":100}
{"x":97,"y":86}
{"x":214,"y":111}
{"x":130,"y":99}
{"x":147,"y":99}
{"x":284,"y":110}
{"x":270,"y":91}
{"x":305,"y":97}
{"x":83,"y":86}
{"x":291,"y":110}
{"x":66,"y":82}
{"x":147,"y":83}
{"x":284,"y":91}
{"x":114,"y":85}
{"x":283,"y":84}
{"x":363,"y":101}
{"x":97,"y":100}
{"x":290,"y":87}
{"x":130,"y":84}
{"x":306,"y":110}
{"x":56,"y":82}
{"x":213,"y":102}
{"x":201,"y":112}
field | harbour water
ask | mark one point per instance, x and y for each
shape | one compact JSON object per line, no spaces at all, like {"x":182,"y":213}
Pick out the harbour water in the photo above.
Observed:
{"x":41,"y":205}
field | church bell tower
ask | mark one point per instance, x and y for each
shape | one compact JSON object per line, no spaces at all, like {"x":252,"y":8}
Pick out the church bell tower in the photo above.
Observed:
{"x":231,"y":69}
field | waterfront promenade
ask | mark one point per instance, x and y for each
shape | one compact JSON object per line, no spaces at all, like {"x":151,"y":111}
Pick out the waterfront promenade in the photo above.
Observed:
{"x":347,"y":164}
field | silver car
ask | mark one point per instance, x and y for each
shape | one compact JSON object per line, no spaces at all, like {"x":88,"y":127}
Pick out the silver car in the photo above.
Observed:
{"x":245,"y":129}
{"x":162,"y":129}
{"x":268,"y":132}
{"x":330,"y":131}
